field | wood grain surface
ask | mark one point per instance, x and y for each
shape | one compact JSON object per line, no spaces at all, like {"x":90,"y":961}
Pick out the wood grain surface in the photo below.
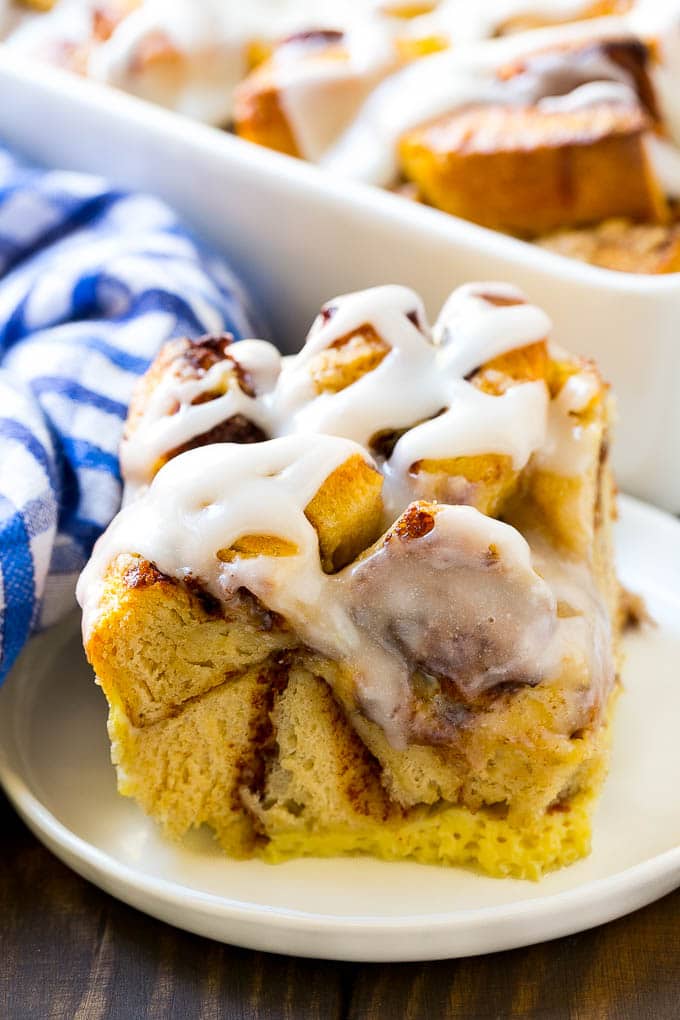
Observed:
{"x":70,"y":952}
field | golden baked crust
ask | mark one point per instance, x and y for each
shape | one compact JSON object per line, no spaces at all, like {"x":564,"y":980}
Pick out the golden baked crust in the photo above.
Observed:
{"x":295,"y":778}
{"x":486,"y":481}
{"x":259,"y":116}
{"x":348,"y":811}
{"x":346,"y":512}
{"x":524,"y":137}
{"x":259,"y":107}
{"x":528,"y":171}
{"x":39,"y":5}
{"x":150,"y":674}
{"x":347,"y":359}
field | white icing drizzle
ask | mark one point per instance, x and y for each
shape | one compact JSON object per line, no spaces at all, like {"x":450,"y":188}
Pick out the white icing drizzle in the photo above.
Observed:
{"x":455,"y":79}
{"x":205,"y":500}
{"x":474,"y":330}
{"x":170,"y":419}
{"x":593,"y":93}
{"x":583,"y":636}
{"x":513,"y":424}
{"x":402,"y":389}
{"x":660,"y":20}
{"x":208,"y":498}
{"x":569,"y":446}
{"x":463,"y":76}
{"x":460,"y":22}
{"x":463,"y":600}
{"x":321,"y":96}
{"x":468,"y":602}
{"x":318,"y":96}
{"x":52,"y":35}
{"x":422,"y":375}
{"x":211,"y":62}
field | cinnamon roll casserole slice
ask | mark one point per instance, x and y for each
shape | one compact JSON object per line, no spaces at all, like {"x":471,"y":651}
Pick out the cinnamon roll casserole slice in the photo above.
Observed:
{"x":362,"y":599}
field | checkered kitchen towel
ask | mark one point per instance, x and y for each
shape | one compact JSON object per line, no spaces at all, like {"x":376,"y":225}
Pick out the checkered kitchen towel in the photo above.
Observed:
{"x":92,"y":281}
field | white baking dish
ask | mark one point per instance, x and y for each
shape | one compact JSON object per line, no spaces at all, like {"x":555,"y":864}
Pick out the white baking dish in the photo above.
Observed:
{"x":301,"y":236}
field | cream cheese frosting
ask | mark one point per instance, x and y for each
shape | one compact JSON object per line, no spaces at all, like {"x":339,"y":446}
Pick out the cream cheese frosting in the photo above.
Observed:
{"x":422,"y":378}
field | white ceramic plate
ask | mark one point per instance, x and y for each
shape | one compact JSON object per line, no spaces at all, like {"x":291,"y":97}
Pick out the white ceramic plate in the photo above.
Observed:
{"x":54,"y":765}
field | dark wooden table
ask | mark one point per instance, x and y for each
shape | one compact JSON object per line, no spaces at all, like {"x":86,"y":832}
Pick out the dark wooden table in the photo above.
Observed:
{"x":70,"y":952}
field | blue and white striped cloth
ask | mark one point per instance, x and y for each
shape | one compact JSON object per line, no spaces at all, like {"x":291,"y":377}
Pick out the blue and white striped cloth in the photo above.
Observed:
{"x":92,"y":281}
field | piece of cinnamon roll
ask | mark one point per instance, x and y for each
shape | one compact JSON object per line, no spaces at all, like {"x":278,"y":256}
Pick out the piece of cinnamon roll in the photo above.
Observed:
{"x":531,"y":167}
{"x":388,"y":623}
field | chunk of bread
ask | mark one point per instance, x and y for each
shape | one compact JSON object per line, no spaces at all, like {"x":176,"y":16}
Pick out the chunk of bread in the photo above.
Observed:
{"x":528,"y":171}
{"x":157,"y":644}
{"x":347,"y":512}
{"x":488,"y":480}
{"x":348,"y":359}
{"x":259,"y":115}
{"x":188,"y":769}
